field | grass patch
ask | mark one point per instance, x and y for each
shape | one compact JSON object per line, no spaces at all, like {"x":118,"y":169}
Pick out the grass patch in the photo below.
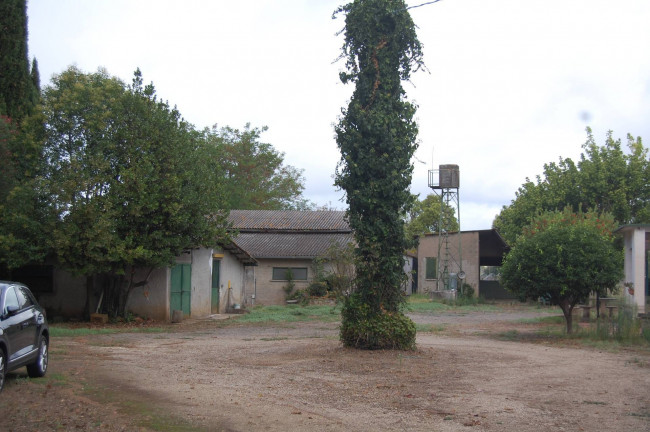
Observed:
{"x":291,"y":313}
{"x":430,"y":328}
{"x":509,"y":335}
{"x":558,"y":319}
{"x":422,"y":303}
{"x":60,"y":330}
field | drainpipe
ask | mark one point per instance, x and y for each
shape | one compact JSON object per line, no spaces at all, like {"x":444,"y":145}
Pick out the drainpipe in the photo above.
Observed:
{"x":254,"y":288}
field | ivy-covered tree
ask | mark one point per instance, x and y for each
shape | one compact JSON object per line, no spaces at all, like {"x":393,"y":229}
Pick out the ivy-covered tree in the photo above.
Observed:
{"x":253,"y":173}
{"x":563,"y":256}
{"x":424,"y":217}
{"x":377,"y":138}
{"x":605,"y":178}
{"x":130,"y":182}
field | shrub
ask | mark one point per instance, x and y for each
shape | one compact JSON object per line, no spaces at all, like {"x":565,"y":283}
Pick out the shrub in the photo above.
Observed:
{"x":317,"y":289}
{"x":467,"y":291}
{"x":301,"y":295}
{"x":363,"y":329}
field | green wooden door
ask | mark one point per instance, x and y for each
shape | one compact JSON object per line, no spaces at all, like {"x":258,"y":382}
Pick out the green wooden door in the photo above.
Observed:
{"x":181,"y":288}
{"x":216,"y":267}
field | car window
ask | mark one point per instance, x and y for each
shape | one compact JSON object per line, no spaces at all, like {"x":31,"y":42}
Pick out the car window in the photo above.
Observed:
{"x":10,"y":300}
{"x":24,"y":299}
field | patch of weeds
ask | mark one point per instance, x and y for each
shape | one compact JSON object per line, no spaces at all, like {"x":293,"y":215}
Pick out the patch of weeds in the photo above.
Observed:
{"x":422,"y":303}
{"x":586,"y":402}
{"x":430,"y":328}
{"x":642,"y":414}
{"x":638,"y":362}
{"x":559,"y":319}
{"x":290,"y":313}
{"x":509,"y":335}
{"x":64,"y":331}
{"x":277,"y":338}
{"x":57,"y":379}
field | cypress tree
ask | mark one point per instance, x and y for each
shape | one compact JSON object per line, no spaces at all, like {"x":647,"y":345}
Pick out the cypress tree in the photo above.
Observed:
{"x":16,"y":86}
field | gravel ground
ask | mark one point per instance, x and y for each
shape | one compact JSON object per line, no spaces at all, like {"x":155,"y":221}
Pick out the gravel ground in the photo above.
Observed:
{"x":204,"y":376}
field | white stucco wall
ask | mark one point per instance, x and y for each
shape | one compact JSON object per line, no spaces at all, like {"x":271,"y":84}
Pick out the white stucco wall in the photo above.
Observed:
{"x":634,"y":267}
{"x":231,"y":282}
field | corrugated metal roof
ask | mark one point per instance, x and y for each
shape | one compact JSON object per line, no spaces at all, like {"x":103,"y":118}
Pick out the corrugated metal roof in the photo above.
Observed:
{"x":288,"y":220}
{"x":290,"y":245}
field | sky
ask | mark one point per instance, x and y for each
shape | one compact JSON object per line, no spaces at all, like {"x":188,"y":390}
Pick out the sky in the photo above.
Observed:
{"x":511,"y":84}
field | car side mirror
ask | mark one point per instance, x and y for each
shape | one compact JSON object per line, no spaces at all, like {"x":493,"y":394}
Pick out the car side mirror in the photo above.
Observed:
{"x":12,"y":310}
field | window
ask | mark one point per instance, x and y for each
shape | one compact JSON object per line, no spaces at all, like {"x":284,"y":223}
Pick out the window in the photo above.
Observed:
{"x":24,"y":298}
{"x":490,"y":273}
{"x":298,"y":273}
{"x":431,"y":268}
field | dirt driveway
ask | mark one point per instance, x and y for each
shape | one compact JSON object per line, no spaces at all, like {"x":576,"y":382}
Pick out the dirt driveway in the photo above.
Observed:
{"x":205,"y":376}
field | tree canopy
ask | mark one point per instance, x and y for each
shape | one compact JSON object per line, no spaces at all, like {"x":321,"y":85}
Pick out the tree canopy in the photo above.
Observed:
{"x":377,"y":138}
{"x":563,"y":257}
{"x":129,"y":182}
{"x":605,"y":179}
{"x":424,"y":217}
{"x":253,"y":173}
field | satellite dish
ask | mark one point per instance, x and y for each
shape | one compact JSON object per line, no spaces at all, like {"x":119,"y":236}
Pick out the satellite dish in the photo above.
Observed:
{"x":461,"y":275}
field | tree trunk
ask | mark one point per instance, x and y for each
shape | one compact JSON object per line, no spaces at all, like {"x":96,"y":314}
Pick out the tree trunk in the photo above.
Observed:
{"x":567,"y":310}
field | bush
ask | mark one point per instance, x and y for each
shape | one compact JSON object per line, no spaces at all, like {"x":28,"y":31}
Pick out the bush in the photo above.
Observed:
{"x":301,"y":295}
{"x":363,"y":329}
{"x":467,"y":291}
{"x":317,"y":289}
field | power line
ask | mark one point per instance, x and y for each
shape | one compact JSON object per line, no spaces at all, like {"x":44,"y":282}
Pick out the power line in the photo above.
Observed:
{"x":423,"y":4}
{"x":416,"y":6}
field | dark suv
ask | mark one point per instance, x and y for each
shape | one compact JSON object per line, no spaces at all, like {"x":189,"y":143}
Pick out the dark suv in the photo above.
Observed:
{"x":24,"y":335}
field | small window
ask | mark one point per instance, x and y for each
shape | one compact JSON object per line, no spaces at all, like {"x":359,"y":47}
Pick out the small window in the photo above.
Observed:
{"x":490,"y":273}
{"x":297,"y":273}
{"x":431,"y":268}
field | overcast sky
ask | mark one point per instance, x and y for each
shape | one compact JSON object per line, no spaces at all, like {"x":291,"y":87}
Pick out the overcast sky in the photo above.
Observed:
{"x":512,"y":83}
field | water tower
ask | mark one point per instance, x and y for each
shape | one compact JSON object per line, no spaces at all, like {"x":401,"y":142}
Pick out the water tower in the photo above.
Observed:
{"x":445,"y":183}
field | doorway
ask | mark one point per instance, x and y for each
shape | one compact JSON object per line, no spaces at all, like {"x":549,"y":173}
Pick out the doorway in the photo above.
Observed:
{"x":181,"y":289}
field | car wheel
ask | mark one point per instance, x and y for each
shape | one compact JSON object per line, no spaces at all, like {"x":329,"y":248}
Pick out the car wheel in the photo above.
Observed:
{"x":2,"y":369}
{"x":39,"y":367}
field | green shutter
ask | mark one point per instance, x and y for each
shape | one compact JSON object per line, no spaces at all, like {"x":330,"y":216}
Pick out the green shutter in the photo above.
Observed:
{"x":431,"y":272}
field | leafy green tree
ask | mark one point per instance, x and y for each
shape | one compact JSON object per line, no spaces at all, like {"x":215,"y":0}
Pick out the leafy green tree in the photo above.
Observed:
{"x":377,"y":138}
{"x":254,"y":175}
{"x":130,"y":182}
{"x":424,"y":217}
{"x":563,"y":257}
{"x":17,"y":91}
{"x":605,"y":179}
{"x":24,"y":216}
